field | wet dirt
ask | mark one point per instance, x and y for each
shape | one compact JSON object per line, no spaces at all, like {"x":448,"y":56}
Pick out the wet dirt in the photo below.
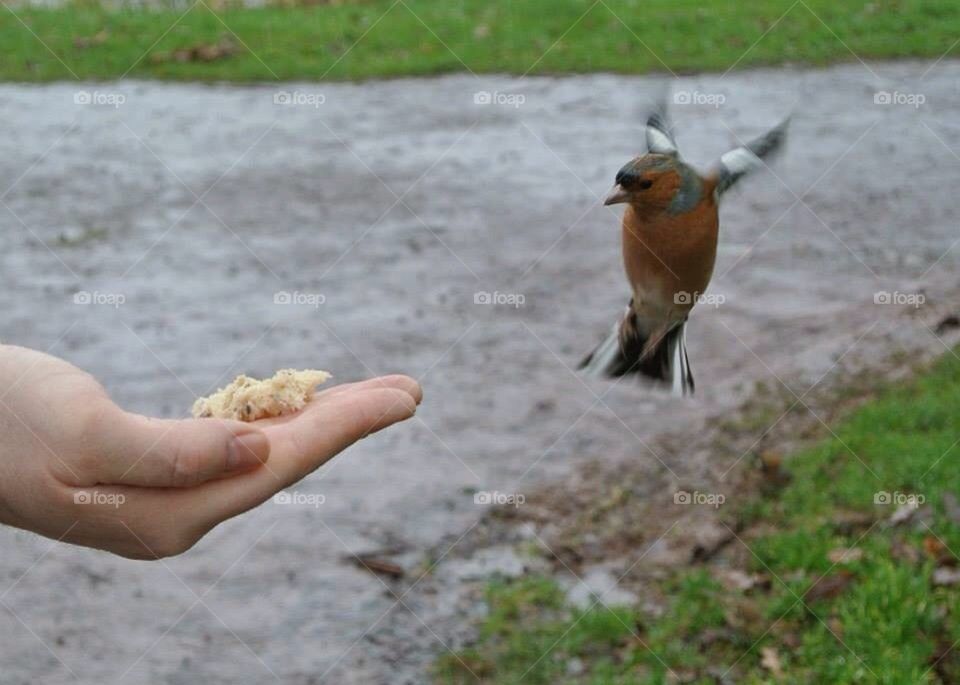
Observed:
{"x":360,"y":229}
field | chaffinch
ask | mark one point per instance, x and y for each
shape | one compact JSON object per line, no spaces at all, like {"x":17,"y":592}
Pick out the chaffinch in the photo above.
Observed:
{"x":669,"y":235}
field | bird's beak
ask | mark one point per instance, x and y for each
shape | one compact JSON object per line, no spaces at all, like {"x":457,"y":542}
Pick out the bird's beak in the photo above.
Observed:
{"x":616,"y":195}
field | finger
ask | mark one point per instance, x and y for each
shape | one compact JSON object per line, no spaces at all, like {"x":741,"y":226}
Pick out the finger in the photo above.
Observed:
{"x":400,"y":382}
{"x":397,"y":381}
{"x":163,"y":453}
{"x":300,"y":447}
{"x":333,"y":424}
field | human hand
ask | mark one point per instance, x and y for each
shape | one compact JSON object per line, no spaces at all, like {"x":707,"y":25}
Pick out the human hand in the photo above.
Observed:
{"x":76,"y":467}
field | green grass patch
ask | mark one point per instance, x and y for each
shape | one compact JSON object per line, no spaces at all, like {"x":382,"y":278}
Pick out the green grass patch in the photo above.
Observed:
{"x":383,"y":38}
{"x":876,"y":617}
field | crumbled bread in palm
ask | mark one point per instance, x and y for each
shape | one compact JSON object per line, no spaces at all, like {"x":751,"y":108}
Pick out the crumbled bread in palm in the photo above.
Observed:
{"x":249,"y":399}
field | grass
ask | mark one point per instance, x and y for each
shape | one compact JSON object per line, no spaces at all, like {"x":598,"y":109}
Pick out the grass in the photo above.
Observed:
{"x":874,"y":617}
{"x":388,"y":38}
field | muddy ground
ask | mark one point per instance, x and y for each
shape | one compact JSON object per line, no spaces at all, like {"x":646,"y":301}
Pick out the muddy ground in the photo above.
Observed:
{"x":383,"y":210}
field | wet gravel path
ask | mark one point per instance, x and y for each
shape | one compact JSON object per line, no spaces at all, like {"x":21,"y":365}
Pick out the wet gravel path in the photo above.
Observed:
{"x":383,"y":211}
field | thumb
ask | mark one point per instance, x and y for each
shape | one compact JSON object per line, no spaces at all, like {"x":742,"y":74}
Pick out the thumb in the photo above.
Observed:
{"x":166,"y":453}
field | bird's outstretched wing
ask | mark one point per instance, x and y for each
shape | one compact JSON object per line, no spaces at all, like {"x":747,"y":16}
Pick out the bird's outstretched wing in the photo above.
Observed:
{"x":659,"y":132}
{"x":745,"y":159}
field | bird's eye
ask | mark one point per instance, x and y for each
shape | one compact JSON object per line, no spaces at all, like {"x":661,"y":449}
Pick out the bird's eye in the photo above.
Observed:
{"x":644,"y":184}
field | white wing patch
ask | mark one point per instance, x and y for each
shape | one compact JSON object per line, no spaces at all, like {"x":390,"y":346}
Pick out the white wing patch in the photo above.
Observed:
{"x":745,"y":159}
{"x":659,"y":142}
{"x":740,"y":161}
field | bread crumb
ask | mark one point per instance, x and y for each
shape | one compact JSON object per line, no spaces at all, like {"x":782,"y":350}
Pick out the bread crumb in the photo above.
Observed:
{"x":249,"y":399}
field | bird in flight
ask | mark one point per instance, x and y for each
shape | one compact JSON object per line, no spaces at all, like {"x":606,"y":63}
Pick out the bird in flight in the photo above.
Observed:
{"x":669,"y":239}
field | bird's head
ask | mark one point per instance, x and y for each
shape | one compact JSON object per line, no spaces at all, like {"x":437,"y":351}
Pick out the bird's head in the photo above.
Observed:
{"x":649,"y":182}
{"x":661,"y":181}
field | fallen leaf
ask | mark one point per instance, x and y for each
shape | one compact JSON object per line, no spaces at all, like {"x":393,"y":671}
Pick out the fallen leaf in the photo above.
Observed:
{"x":845,"y":555}
{"x":711,"y":539}
{"x":378,"y":566}
{"x":836,"y":627}
{"x":712,"y":636}
{"x":945,"y":661}
{"x":903,"y":514}
{"x":770,"y":660}
{"x":951,"y":507}
{"x":98,"y":38}
{"x":948,"y":322}
{"x":829,"y":586}
{"x":852,"y":522}
{"x":904,"y":551}
{"x":791,"y":640}
{"x":938,"y":551}
{"x":744,"y":615}
{"x":771,"y":465}
{"x":735,"y":579}
{"x":946,"y":576}
{"x":770,"y":460}
{"x":204,"y":52}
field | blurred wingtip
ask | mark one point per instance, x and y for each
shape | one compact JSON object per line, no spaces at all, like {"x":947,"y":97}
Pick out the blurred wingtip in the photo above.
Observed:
{"x":658,"y":107}
{"x":659,"y":128}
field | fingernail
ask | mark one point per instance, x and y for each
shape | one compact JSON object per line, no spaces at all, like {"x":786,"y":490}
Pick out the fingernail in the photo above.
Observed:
{"x":250,"y":449}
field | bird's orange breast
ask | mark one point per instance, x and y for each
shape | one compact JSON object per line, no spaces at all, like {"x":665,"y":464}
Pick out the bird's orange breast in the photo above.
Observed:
{"x":666,"y":254}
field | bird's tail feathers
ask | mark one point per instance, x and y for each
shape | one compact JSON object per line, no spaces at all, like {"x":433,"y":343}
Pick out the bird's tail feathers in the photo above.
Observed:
{"x":660,"y":356}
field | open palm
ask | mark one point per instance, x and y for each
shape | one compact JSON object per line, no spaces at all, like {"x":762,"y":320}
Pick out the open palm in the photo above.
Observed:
{"x":80,"y":469}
